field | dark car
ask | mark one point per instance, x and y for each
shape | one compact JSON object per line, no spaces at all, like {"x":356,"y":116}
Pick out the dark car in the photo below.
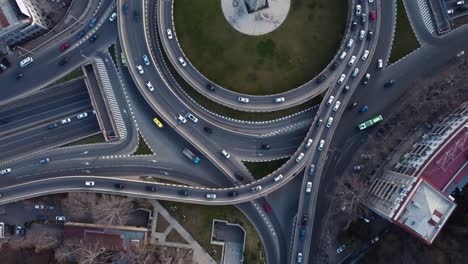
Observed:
{"x":233,"y":194}
{"x":151,"y":188}
{"x":42,"y":218}
{"x":302,"y":234}
{"x":136,"y":16}
{"x":345,"y":89}
{"x":81,"y":34}
{"x":304,"y":220}
{"x":334,"y":66}
{"x":322,"y":78}
{"x":370,"y":34}
{"x":365,"y":79}
{"x":363,"y":109}
{"x":184,"y":192}
{"x":267,"y":208}
{"x":238,"y":176}
{"x":389,"y":83}
{"x":351,"y":106}
{"x":125,"y":8}
{"x":93,"y":38}
{"x":63,"y":62}
{"x":353,"y":25}
{"x":92,"y":22}
{"x":52,"y":126}
{"x":19,"y":76}
{"x":208,"y":130}
{"x":120,"y":186}
{"x":266,"y":146}
{"x":210,"y":87}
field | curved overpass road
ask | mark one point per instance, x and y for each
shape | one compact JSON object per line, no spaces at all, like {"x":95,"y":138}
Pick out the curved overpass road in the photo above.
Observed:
{"x":229,"y":98}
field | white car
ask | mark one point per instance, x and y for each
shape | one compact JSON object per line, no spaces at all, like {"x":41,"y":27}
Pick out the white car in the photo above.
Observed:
{"x":355,"y":72}
{"x":380,"y":64}
{"x":244,"y":100}
{"x":181,"y":119}
{"x":60,"y":218}
{"x":299,"y":157}
{"x":256,"y":188}
{"x":343,"y":55}
{"x":299,"y":257}
{"x":361,"y":34}
{"x":459,"y":3}
{"x":277,"y":178}
{"x":210,"y":196}
{"x":330,"y":121}
{"x":330,"y":100}
{"x":169,"y":33}
{"x":82,"y":115}
{"x":341,"y":79}
{"x":5,"y":171}
{"x":89,"y":183}
{"x":279,"y":100}
{"x":308,"y":187}
{"x":350,"y":43}
{"x":149,"y":86}
{"x":182,"y":62}
{"x":371,"y":1}
{"x":352,"y":60}
{"x":450,"y":11}
{"x":337,"y":105}
{"x":358,"y":10}
{"x":225,"y":154}
{"x":340,"y":249}
{"x":113,"y":17}
{"x":146,"y":60}
{"x":192,"y":117}
{"x":140,"y":69}
{"x":321,"y":143}
{"x":365,"y":55}
{"x":309,"y":143}
{"x":65,"y":121}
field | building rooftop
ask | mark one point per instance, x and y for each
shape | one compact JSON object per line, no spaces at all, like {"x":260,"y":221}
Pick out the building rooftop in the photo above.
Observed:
{"x":444,"y":166}
{"x":425,"y":212}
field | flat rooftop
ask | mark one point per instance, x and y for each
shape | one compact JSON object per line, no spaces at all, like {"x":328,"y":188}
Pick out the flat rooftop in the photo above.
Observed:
{"x":425,"y":213}
{"x":445,"y":165}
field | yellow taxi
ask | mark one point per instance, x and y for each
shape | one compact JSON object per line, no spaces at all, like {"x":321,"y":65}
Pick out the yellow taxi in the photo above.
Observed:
{"x":157,"y":122}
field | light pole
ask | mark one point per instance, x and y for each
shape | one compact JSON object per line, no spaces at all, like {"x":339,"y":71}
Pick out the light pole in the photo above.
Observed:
{"x":74,"y":18}
{"x":84,"y":56}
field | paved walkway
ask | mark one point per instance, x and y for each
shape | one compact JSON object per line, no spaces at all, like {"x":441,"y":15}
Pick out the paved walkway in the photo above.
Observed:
{"x":199,"y":254}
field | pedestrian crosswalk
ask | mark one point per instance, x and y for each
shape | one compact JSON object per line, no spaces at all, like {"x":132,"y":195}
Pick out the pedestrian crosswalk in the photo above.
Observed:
{"x":114,"y":107}
{"x":426,"y":15}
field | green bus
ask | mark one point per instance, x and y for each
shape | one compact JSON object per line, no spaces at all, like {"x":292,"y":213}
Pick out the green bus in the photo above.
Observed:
{"x":370,"y":122}
{"x":124,"y":61}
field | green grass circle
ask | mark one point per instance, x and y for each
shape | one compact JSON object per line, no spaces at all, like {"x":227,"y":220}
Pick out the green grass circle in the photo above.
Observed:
{"x":259,"y":65}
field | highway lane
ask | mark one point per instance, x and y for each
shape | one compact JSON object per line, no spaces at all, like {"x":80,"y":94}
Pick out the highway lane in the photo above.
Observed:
{"x":229,"y":98}
{"x":301,"y":242}
{"x":44,"y":106}
{"x":41,"y":138}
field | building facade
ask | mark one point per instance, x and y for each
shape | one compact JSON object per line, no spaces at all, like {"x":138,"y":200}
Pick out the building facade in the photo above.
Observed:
{"x":20,"y":20}
{"x":415,"y":193}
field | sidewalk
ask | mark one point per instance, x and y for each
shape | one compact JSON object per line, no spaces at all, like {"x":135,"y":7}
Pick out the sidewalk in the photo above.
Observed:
{"x":200,"y":256}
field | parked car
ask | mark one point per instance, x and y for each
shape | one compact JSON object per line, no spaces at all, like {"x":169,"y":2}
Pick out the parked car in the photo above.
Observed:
{"x":363,"y":109}
{"x":113,"y":17}
{"x":389,"y":83}
{"x":225,"y":154}
{"x":60,"y":219}
{"x":340,"y":249}
{"x":5,"y":171}
{"x":192,"y":117}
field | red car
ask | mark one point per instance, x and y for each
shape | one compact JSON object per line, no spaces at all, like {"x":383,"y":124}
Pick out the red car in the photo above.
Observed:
{"x":64,"y":46}
{"x":267,"y":208}
{"x":372,"y":15}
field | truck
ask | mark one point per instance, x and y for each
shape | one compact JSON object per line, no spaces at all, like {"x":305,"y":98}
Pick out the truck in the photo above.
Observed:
{"x":189,"y":154}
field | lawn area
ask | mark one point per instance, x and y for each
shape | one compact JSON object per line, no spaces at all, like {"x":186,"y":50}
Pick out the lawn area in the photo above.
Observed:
{"x":143,"y":149}
{"x":229,"y":112}
{"x":262,"y":169}
{"x":162,"y":224}
{"x":111,"y":50}
{"x":174,"y":236}
{"x":98,"y":138}
{"x":198,"y":220}
{"x":70,"y":76}
{"x":276,"y":62}
{"x":405,"y":41}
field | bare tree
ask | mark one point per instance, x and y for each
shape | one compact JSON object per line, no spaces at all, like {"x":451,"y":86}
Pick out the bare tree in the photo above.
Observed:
{"x":172,"y":255}
{"x":139,"y":255}
{"x":112,"y":210}
{"x":3,"y":242}
{"x":350,"y":191}
{"x":79,"y":205}
{"x":42,"y":239}
{"x":18,"y":242}
{"x":83,"y":253}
